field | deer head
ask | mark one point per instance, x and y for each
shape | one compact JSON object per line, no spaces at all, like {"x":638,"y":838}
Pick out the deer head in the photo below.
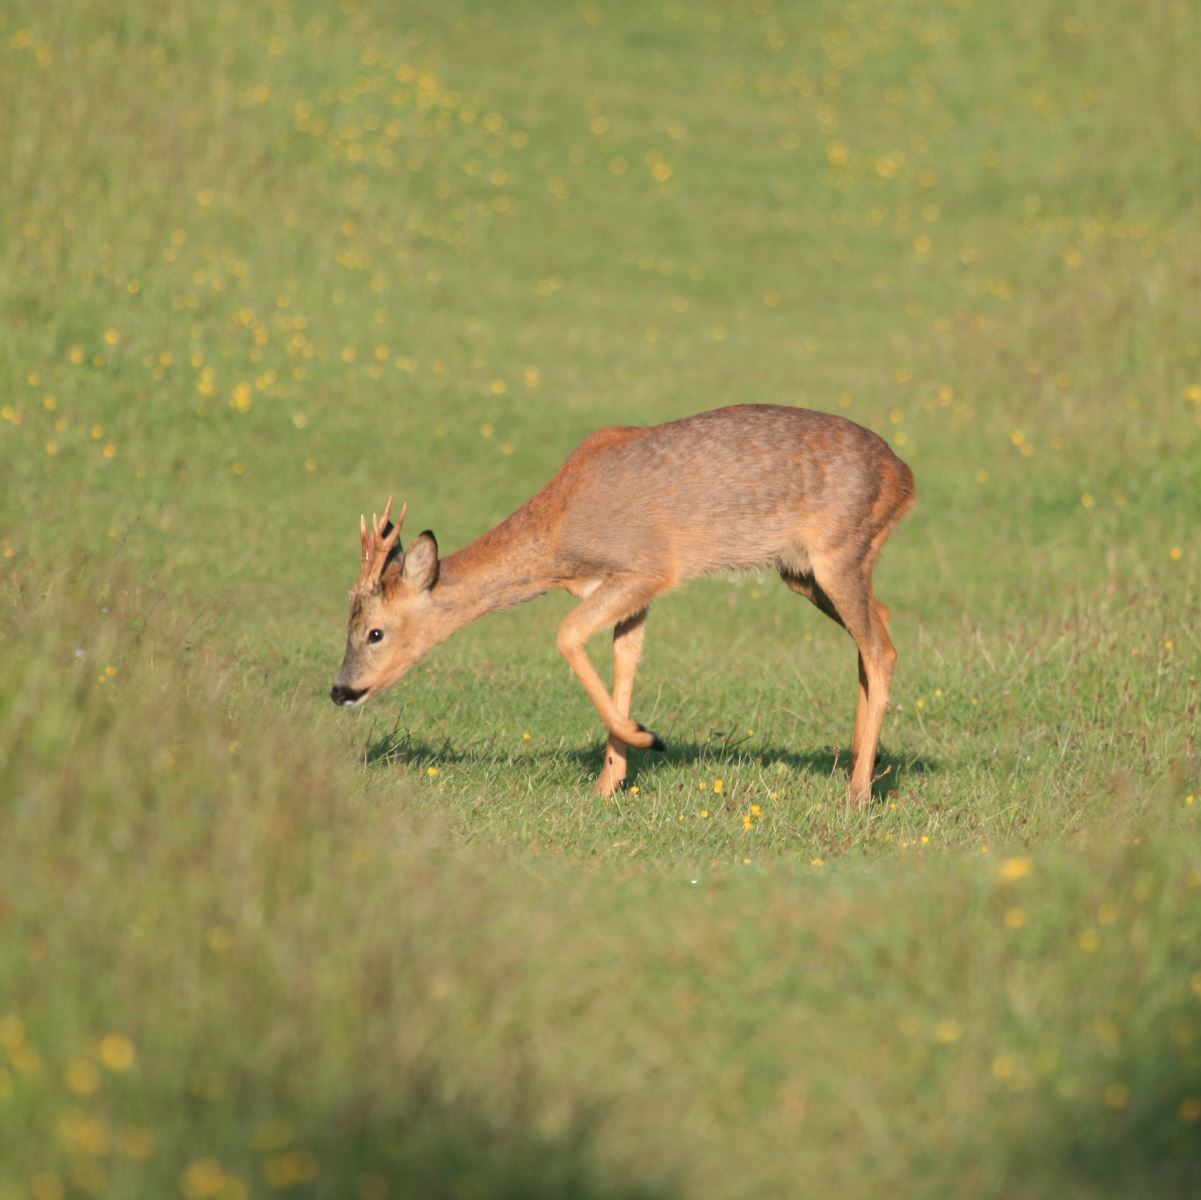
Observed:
{"x":388,"y":631}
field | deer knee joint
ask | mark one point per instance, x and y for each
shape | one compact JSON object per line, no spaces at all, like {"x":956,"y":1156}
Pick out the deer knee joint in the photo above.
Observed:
{"x":567,"y":641}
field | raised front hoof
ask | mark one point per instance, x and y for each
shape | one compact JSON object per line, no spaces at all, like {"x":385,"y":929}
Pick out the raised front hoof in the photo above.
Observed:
{"x":655,"y":742}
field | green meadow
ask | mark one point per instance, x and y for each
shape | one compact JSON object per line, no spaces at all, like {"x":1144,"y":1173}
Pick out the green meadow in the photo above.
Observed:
{"x":262,"y":266}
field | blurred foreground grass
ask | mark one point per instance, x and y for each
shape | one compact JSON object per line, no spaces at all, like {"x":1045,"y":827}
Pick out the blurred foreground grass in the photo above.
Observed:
{"x":260,"y":267}
{"x":232,"y":965}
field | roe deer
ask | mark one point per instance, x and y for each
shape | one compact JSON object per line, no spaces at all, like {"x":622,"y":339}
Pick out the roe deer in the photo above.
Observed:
{"x":633,"y":513}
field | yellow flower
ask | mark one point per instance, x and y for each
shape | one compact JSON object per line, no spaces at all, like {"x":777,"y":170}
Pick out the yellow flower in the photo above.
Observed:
{"x":85,"y":1135}
{"x":12,"y":1031}
{"x":431,"y":771}
{"x":948,"y":1031}
{"x":756,"y":810}
{"x":1003,"y":1066}
{"x":718,"y":784}
{"x":81,"y":1077}
{"x":117,"y":1052}
{"x":1010,"y":870}
{"x":112,"y":336}
{"x":203,"y":1177}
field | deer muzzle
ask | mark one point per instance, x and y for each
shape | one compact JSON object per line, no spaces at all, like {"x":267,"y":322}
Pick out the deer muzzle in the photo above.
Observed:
{"x":346,"y":697}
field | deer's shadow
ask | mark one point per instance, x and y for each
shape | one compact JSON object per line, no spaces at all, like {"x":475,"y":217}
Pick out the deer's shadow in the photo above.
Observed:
{"x":401,"y":748}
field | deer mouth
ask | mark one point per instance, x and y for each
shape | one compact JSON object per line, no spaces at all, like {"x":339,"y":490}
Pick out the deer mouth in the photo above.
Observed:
{"x":346,"y":697}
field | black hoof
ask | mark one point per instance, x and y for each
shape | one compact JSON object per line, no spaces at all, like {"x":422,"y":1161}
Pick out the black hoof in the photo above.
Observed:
{"x":658,"y":743}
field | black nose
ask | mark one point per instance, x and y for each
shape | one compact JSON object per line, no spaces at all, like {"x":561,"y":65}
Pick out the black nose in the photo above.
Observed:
{"x":344,"y":695}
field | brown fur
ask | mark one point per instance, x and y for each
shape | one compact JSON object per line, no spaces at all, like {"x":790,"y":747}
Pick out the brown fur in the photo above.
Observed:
{"x":635,"y":512}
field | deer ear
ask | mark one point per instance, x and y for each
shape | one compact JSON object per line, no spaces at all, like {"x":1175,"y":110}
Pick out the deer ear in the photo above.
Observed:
{"x":421,"y":563}
{"x":394,"y":566}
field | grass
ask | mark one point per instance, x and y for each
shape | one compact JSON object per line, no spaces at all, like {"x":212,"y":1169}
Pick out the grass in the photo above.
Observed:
{"x":260,"y":269}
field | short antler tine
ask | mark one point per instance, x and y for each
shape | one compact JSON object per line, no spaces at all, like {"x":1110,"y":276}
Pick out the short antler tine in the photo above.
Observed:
{"x":386,"y":537}
{"x":364,"y":537}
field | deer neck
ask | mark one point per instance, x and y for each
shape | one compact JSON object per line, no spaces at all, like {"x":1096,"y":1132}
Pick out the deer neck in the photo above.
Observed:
{"x":504,"y":568}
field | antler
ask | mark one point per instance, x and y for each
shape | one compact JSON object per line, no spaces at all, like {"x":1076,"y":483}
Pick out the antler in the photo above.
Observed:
{"x":378,"y":544}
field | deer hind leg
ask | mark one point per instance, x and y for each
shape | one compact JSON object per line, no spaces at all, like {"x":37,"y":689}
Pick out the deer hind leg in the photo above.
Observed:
{"x":616,"y":600}
{"x":628,"y":637}
{"x":845,"y":596}
{"x":805,"y":585}
{"x":866,"y":620}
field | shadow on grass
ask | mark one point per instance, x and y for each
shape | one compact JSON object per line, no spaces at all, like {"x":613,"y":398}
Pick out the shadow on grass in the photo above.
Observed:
{"x":893,"y":770}
{"x":438,"y":1151}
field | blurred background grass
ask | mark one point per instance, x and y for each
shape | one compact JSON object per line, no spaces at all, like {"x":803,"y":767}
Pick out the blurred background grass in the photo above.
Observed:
{"x":260,"y":268}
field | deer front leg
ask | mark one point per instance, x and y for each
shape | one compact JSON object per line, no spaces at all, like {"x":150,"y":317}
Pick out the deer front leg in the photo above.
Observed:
{"x":628,"y":636}
{"x":615,"y":601}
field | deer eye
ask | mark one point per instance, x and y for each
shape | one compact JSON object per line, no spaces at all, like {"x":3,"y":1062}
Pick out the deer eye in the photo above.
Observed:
{"x":375,"y":635}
